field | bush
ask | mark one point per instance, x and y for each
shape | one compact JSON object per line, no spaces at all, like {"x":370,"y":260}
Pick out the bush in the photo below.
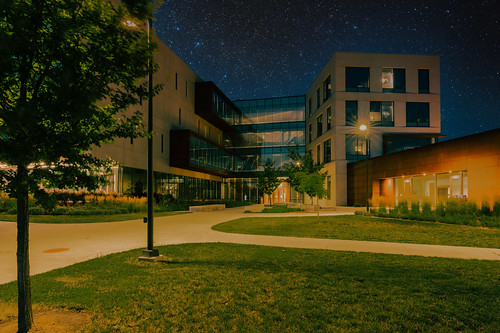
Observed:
{"x":427,"y":209}
{"x":485,"y":209}
{"x":402,"y":208}
{"x":440,"y":211}
{"x":496,"y":208}
{"x":36,"y":211}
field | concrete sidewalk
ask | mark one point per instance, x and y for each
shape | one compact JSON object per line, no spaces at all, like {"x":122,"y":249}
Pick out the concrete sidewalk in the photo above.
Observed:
{"x":80,"y":242}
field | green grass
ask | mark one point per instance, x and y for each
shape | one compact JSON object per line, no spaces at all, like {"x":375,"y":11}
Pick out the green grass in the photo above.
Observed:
{"x":227,"y":287}
{"x":85,"y":218}
{"x":356,"y":227}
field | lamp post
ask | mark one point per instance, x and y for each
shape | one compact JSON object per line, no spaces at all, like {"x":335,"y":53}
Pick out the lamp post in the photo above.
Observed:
{"x":364,"y":128}
{"x":150,"y":253}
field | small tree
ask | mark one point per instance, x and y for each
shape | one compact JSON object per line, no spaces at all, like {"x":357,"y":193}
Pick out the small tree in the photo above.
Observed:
{"x":268,"y":180}
{"x":69,"y":71}
{"x":300,"y":170}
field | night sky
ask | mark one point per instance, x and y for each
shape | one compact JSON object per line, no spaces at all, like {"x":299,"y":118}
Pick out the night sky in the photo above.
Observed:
{"x":271,"y":48}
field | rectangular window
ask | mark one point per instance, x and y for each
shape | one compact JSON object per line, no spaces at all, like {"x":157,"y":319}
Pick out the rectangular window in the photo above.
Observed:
{"x":329,"y":118}
{"x":329,"y":187}
{"x":357,"y":79}
{"x":351,"y":113}
{"x":310,"y":132}
{"x":327,"y":88}
{"x":382,"y":113}
{"x":319,"y":125}
{"x":309,"y":106}
{"x":318,"y":154}
{"x":186,"y":89}
{"x":393,"y":80}
{"x":423,"y":81}
{"x":327,"y":151}
{"x":162,"y":143}
{"x":131,"y":141}
{"x":176,"y":79}
{"x":355,"y":147}
{"x":417,"y":114}
{"x":318,"y":98}
{"x":180,"y":111}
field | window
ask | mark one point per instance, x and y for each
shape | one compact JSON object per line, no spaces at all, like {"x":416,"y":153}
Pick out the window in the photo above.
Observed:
{"x":176,"y":78}
{"x":131,"y":141}
{"x":162,"y":143}
{"x":355,"y":147}
{"x":309,"y":105}
{"x":318,"y":98}
{"x":328,"y":187}
{"x":319,"y":125}
{"x":327,"y":88}
{"x":180,"y":111}
{"x":186,"y":89}
{"x":393,"y":80}
{"x":318,"y":154}
{"x":310,"y":132}
{"x":351,"y":113}
{"x":329,"y":118}
{"x":357,"y":79}
{"x":382,"y":113}
{"x":327,"y":151}
{"x":394,"y":143}
{"x":417,"y":114}
{"x":423,"y":81}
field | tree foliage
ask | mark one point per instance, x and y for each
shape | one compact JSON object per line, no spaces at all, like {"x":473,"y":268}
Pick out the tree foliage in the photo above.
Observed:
{"x":304,"y":174}
{"x":70,"y":71}
{"x":268,"y":180}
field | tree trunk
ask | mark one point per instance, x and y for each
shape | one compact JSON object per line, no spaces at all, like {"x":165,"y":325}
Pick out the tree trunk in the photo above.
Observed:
{"x":25,"y":314}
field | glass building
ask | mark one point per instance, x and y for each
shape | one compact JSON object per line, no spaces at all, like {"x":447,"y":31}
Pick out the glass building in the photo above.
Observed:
{"x":268,"y":128}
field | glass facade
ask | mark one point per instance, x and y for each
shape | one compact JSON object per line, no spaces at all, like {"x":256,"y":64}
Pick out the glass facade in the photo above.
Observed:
{"x":432,"y":188}
{"x":224,"y":110}
{"x":398,"y":143}
{"x":133,"y":182}
{"x":277,"y":124}
{"x":207,"y":155}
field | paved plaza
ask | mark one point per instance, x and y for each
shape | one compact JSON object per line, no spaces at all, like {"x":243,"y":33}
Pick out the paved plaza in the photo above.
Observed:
{"x":80,"y":242}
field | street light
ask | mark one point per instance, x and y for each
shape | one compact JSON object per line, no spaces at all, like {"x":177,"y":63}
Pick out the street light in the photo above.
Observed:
{"x":150,"y":253}
{"x":364,"y":128}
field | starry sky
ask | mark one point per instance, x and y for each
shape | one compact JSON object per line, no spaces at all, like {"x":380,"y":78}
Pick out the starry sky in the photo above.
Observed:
{"x":271,"y":48}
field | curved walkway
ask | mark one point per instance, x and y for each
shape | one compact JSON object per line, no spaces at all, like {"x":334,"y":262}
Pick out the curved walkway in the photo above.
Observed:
{"x":80,"y":242}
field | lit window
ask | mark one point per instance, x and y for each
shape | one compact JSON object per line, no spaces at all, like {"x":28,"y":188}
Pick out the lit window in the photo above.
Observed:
{"x":329,"y":118}
{"x":319,"y":127}
{"x":393,"y":80}
{"x":382,"y":113}
{"x":327,"y":88}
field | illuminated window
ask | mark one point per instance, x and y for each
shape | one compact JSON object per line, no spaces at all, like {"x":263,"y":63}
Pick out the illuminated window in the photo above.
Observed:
{"x":355,"y":147}
{"x":423,"y":81}
{"x":382,"y":113}
{"x":327,"y":88}
{"x":393,"y":80}
{"x":417,"y":114}
{"x":357,"y":79}
{"x":351,"y":113}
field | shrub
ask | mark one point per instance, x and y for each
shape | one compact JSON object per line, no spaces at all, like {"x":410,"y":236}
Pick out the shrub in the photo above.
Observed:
{"x":402,"y":208}
{"x":426,"y":209}
{"x":496,"y":208}
{"x":485,"y":209}
{"x":415,"y":207}
{"x":36,"y":211}
{"x":440,"y":210}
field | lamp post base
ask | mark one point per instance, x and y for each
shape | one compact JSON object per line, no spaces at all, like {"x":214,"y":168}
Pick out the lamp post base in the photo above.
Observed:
{"x":150,"y":255}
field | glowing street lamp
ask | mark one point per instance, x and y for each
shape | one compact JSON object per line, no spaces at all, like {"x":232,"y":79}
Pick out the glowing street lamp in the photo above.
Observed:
{"x":364,"y":128}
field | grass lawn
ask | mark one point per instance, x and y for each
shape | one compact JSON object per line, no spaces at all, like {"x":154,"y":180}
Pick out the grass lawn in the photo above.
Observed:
{"x":86,"y":218}
{"x":228,"y":287}
{"x":357,"y":227}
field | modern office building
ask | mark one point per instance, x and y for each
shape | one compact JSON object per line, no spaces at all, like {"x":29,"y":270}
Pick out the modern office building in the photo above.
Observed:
{"x":463,"y":168}
{"x":397,"y":98}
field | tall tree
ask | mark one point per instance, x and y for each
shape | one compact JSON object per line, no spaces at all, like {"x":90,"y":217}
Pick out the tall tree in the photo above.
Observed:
{"x":69,"y":71}
{"x":268,"y":180}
